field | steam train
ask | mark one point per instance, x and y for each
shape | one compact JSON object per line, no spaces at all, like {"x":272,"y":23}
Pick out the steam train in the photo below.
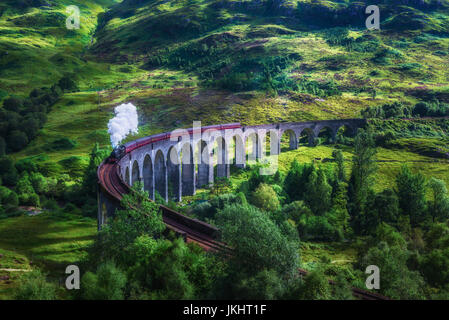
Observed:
{"x":120,"y":151}
{"x":117,"y":154}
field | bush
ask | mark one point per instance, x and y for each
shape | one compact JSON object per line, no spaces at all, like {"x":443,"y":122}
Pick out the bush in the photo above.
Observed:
{"x":17,"y":140}
{"x":62,"y":144}
{"x":315,"y":287}
{"x":2,"y":147}
{"x":8,"y":198}
{"x":383,"y":138}
{"x":72,"y":209}
{"x":208,"y":210}
{"x":34,"y":286}
{"x":420,"y":109}
{"x":107,"y":283}
{"x":318,"y":228}
{"x":8,"y":171}
{"x":29,"y":199}
{"x":26,"y":165}
{"x":393,"y":110}
{"x":31,"y":127}
{"x":296,"y":210}
{"x":38,"y":182}
{"x":22,"y":119}
{"x":265,"y":285}
{"x":257,"y":241}
{"x":432,"y":109}
{"x":397,"y":281}
{"x":265,"y":198}
{"x":12,"y":199}
{"x":435,"y":267}
{"x":50,"y":204}
{"x":12,"y":104}
{"x":24,"y":185}
{"x":66,"y":83}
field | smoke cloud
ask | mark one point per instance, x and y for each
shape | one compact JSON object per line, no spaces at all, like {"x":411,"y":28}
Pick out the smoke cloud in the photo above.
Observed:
{"x":124,"y":123}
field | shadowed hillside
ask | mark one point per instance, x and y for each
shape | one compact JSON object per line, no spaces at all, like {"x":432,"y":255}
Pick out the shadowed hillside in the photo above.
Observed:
{"x":305,"y":59}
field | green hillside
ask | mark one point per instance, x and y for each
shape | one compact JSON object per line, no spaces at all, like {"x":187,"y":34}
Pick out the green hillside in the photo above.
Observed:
{"x":218,"y":61}
{"x":293,"y":56}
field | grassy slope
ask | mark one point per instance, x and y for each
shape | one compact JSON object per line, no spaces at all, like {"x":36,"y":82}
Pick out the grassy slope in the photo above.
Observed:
{"x":48,"y":241}
{"x":34,"y":53}
{"x":137,"y":33}
{"x":37,"y":48}
{"x":116,"y":64}
{"x":114,"y":60}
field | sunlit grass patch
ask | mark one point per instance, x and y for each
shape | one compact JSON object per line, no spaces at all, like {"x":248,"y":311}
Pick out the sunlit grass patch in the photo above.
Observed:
{"x":47,"y":239}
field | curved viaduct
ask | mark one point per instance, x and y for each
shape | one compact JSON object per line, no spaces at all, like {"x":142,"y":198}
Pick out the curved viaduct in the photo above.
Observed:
{"x":191,"y":158}
{"x":176,"y":167}
{"x":149,"y":164}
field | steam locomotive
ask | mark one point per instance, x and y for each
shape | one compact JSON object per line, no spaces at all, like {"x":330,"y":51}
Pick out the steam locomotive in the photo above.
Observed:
{"x":120,"y":151}
{"x":117,"y":154}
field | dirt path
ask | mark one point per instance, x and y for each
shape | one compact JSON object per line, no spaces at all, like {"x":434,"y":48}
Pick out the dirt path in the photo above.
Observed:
{"x":15,"y":270}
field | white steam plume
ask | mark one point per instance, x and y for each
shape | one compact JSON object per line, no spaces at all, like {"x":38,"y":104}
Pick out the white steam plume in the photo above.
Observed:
{"x":124,"y":122}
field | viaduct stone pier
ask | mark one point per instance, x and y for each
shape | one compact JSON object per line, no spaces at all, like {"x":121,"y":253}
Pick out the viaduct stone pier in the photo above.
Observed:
{"x":193,"y":158}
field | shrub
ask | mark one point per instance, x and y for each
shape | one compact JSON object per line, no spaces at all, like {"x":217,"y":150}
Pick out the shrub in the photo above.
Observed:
{"x":315,"y":287}
{"x":38,"y":182}
{"x":411,"y":191}
{"x":318,"y":228}
{"x":24,"y":185}
{"x":383,"y":138}
{"x":265,"y":285}
{"x":257,"y":241}
{"x":31,"y":127}
{"x":2,"y":147}
{"x":62,"y":144}
{"x":435,"y":267}
{"x":296,"y":210}
{"x":12,"y":104}
{"x":17,"y":140}
{"x":265,"y":198}
{"x":34,"y":286}
{"x":420,"y":109}
{"x":107,"y":283}
{"x":12,"y":199}
{"x":393,"y":110}
{"x":66,"y":83}
{"x":50,"y":204}
{"x":397,"y":281}
{"x":72,"y":209}
{"x":8,"y":171}
{"x":26,"y":165}
{"x":208,"y":210}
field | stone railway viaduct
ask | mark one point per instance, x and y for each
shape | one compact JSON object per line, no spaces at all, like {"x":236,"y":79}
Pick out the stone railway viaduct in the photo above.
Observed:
{"x":178,"y":161}
{"x":177,"y":166}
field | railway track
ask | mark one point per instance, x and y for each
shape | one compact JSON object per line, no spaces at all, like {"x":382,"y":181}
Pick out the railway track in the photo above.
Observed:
{"x":110,"y":181}
{"x":191,"y":230}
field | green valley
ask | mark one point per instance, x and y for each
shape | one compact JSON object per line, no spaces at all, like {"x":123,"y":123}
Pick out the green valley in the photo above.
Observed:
{"x":376,"y":197}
